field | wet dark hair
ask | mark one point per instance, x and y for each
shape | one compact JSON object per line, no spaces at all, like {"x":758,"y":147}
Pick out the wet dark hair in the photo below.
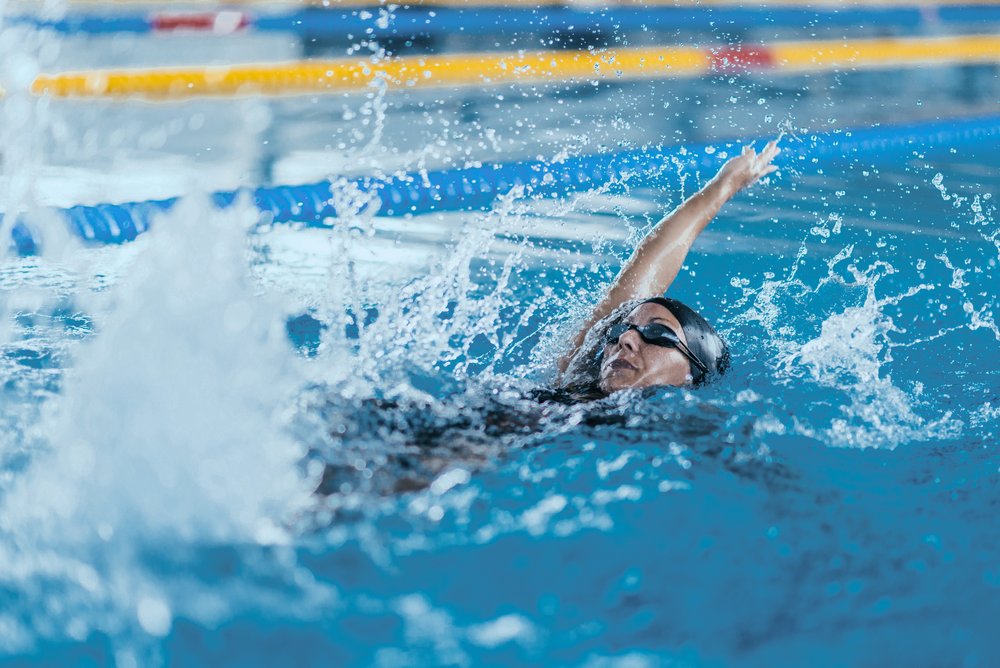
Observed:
{"x":583,"y":374}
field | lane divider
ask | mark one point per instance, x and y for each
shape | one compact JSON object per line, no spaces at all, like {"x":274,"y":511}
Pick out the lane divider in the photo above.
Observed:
{"x":503,"y":3}
{"x":477,"y":188}
{"x":491,"y":69}
{"x":363,"y":3}
{"x":339,"y":23}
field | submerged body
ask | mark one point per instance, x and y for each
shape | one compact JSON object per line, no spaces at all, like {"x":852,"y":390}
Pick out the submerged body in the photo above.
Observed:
{"x":633,"y":339}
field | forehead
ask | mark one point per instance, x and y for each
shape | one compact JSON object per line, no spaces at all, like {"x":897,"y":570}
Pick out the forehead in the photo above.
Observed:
{"x":643,"y":314}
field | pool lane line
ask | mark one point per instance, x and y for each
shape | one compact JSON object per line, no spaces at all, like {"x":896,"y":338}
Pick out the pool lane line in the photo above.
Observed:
{"x":368,"y":4}
{"x":495,"y":69}
{"x":341,"y":23}
{"x":415,"y":193}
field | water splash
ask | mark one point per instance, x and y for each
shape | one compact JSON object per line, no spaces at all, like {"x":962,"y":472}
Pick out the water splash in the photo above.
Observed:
{"x":850,"y":354}
{"x":835,"y":337}
{"x":168,"y":435}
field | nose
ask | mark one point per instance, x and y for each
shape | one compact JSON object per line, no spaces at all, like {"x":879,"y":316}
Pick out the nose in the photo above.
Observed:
{"x":629,"y":340}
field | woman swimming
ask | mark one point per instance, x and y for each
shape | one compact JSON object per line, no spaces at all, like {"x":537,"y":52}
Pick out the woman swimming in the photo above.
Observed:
{"x":635,"y":337}
{"x":630,"y":340}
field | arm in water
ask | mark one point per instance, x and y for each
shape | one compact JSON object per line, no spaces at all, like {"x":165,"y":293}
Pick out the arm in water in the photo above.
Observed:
{"x":659,"y":257}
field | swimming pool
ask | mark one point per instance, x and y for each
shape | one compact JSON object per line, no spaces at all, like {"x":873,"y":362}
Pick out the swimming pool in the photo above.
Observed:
{"x":168,"y":405}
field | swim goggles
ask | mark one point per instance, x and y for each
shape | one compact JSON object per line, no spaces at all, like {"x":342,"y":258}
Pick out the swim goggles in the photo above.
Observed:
{"x":657,"y":335}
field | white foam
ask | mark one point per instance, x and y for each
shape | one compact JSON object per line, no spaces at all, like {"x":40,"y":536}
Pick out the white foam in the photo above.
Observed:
{"x":504,"y":629}
{"x":154,"y":615}
{"x":168,"y":434}
{"x":170,"y":420}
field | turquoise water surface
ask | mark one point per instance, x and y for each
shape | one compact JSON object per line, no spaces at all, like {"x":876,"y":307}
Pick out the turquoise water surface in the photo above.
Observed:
{"x":169,"y":406}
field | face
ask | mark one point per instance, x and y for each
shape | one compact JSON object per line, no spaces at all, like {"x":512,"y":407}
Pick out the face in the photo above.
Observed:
{"x":634,"y":363}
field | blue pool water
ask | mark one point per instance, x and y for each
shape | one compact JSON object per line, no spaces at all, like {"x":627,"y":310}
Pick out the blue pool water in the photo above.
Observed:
{"x":168,"y":406}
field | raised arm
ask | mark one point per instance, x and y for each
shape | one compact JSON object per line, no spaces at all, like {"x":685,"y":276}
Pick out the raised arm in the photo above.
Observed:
{"x":659,"y":257}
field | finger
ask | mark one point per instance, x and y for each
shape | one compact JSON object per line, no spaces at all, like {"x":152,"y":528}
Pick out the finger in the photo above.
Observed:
{"x":771,"y":149}
{"x":747,"y":150}
{"x":770,"y":169}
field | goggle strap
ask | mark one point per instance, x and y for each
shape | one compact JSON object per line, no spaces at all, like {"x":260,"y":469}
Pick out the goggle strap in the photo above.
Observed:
{"x":691,"y":356}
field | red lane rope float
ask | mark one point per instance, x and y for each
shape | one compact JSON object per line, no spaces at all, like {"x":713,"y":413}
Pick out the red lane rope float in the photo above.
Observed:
{"x":223,"y":22}
{"x":490,"y":69}
{"x":741,"y":58}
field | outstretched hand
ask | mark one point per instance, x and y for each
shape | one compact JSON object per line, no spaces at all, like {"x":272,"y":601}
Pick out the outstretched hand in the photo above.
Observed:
{"x":749,"y":166}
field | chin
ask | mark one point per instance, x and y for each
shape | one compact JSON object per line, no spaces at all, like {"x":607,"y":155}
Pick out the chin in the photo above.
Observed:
{"x":609,"y":385}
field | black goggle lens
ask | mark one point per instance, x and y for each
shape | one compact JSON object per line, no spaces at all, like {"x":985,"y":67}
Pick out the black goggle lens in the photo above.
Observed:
{"x":656,"y":334}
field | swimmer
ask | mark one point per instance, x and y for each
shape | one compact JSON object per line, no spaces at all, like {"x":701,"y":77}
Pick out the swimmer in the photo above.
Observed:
{"x":634,"y":338}
{"x":637,"y":338}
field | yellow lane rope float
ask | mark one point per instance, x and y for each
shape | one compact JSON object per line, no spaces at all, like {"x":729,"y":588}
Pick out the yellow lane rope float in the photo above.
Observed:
{"x":487,"y":69}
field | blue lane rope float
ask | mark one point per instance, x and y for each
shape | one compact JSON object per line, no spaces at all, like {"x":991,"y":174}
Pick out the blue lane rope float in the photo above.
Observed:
{"x":359,"y":22}
{"x":478,"y":187}
{"x":320,"y":24}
